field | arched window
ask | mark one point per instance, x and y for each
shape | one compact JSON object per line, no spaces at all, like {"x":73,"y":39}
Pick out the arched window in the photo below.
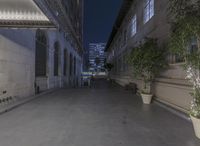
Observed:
{"x":65,"y":62}
{"x":56,"y":58}
{"x":41,"y":54}
{"x":71,"y":65}
{"x":75,"y":66}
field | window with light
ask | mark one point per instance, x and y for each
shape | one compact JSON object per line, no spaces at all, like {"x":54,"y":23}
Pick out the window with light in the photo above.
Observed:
{"x":148,"y":10}
{"x":134,"y":26}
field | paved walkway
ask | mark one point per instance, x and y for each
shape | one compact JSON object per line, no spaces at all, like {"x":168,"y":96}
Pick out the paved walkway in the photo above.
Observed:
{"x":102,"y":116}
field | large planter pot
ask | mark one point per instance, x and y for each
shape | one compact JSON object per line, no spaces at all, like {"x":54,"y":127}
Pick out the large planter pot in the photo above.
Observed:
{"x":146,"y":98}
{"x":196,"y":125}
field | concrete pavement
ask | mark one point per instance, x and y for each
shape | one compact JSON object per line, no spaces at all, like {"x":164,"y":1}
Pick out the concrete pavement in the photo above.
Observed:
{"x":100,"y":116}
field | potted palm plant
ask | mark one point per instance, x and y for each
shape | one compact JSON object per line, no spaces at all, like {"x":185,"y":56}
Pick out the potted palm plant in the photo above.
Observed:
{"x":185,"y":41}
{"x":147,"y":61}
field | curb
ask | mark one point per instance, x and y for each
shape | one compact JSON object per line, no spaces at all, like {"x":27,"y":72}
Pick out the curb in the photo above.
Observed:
{"x":173,"y":110}
{"x":7,"y":108}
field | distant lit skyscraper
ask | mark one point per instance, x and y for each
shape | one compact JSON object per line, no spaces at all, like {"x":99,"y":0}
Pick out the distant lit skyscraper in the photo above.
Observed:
{"x":96,"y":57}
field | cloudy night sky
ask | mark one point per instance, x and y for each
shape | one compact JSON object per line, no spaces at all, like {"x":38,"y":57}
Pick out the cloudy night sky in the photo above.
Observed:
{"x":100,"y":16}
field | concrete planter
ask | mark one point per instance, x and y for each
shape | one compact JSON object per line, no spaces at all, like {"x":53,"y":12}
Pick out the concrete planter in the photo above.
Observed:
{"x":146,"y":98}
{"x":196,"y":125}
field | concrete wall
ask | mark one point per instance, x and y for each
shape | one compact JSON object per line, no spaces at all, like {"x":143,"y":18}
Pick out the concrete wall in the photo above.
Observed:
{"x":17,"y":63}
{"x":171,"y":87}
{"x":62,"y":80}
{"x":17,"y":59}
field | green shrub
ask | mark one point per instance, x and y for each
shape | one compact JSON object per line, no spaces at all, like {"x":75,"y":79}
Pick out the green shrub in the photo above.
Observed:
{"x":147,"y":60}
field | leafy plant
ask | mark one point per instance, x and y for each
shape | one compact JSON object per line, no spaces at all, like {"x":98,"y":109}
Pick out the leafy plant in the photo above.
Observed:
{"x":147,"y":60}
{"x":185,"y":29}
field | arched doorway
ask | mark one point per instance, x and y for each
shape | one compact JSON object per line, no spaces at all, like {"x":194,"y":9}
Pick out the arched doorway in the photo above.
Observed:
{"x":65,"y":59}
{"x":57,"y":60}
{"x":65,"y":68}
{"x":74,"y":66}
{"x":71,"y":65}
{"x":41,"y":54}
{"x":41,"y":61}
{"x":75,"y":77}
{"x":71,"y":69}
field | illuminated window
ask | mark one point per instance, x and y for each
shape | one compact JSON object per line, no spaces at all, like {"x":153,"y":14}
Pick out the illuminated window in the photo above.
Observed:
{"x":148,"y":10}
{"x":134,"y":26}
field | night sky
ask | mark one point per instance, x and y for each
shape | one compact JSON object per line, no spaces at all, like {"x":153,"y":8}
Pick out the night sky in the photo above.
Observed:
{"x":99,"y":18}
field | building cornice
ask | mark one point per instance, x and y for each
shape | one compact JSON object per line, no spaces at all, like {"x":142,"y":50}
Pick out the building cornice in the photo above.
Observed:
{"x":126,"y":5}
{"x":54,"y":10}
{"x":40,"y":14}
{"x":22,"y":13}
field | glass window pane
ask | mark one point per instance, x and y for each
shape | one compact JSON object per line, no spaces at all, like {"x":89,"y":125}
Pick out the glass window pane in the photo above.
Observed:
{"x":134,"y":26}
{"x":148,"y":10}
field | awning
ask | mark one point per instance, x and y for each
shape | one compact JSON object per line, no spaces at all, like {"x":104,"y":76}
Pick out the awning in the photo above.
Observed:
{"x":22,"y":13}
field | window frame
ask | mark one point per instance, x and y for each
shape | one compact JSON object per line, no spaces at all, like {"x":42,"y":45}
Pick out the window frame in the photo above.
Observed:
{"x":56,"y":58}
{"x":41,"y":54}
{"x":134,"y":25}
{"x":65,"y":62}
{"x":149,"y":10}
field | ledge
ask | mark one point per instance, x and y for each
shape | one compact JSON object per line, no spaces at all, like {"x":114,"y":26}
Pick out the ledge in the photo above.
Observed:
{"x":178,"y":111}
{"x":16,"y":103}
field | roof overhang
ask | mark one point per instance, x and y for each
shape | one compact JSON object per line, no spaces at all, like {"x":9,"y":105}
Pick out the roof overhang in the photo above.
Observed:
{"x":126,"y":5}
{"x":22,"y":13}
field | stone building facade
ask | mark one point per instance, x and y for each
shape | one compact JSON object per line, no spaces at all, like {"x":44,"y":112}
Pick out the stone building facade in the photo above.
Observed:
{"x":138,"y":19}
{"x":43,"y":50}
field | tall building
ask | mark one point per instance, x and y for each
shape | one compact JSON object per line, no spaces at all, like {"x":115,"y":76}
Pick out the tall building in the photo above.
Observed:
{"x":41,"y":46}
{"x":137,"y":20}
{"x":96,"y":57}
